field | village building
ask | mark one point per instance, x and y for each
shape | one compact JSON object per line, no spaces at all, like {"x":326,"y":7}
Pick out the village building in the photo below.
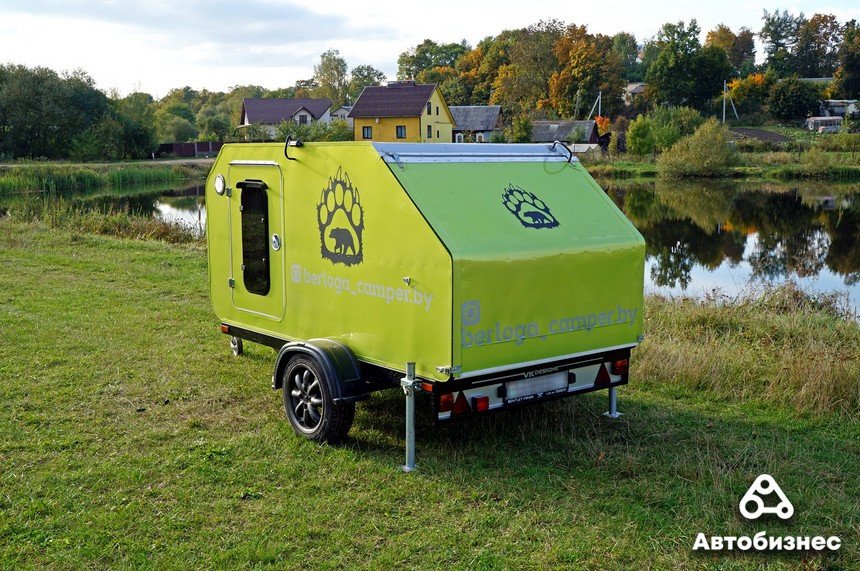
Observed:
{"x":475,"y":123}
{"x":271,"y":112}
{"x":402,"y":111}
{"x":565,"y":131}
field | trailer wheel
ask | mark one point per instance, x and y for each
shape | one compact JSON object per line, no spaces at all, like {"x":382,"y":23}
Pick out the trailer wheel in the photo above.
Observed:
{"x":236,"y":346}
{"x":308,"y":402}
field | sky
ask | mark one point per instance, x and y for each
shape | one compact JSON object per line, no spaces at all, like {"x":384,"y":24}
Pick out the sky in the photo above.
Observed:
{"x":158,"y":45}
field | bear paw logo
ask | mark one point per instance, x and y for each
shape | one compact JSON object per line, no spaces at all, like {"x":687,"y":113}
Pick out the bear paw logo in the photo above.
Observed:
{"x":341,"y":221}
{"x":531,"y":211}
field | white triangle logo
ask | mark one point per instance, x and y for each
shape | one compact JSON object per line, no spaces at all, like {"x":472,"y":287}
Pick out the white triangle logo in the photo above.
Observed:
{"x":752,"y":505}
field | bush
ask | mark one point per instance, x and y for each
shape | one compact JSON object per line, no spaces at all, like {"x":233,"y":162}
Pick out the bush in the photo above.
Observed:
{"x":793,"y":99}
{"x":751,"y":92}
{"x":705,"y":153}
{"x":641,"y":139}
{"x":842,"y":142}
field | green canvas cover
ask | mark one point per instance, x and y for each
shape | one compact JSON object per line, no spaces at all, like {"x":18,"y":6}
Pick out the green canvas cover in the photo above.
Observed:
{"x":545,"y":266}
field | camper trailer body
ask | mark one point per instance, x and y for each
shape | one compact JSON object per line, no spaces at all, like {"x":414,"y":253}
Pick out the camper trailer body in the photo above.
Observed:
{"x":503,"y":272}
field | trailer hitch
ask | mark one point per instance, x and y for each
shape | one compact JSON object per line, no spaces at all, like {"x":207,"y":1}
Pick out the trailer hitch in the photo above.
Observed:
{"x":291,"y":143}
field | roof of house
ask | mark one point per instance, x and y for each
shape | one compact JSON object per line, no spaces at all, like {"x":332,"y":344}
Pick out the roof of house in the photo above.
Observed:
{"x":475,"y":117}
{"x":549,"y":131}
{"x":635,"y":88}
{"x":274,"y":110}
{"x":397,"y":99}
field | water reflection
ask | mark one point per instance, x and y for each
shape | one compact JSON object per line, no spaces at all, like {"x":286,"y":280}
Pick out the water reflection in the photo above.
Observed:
{"x":186,"y":207}
{"x":705,"y":234}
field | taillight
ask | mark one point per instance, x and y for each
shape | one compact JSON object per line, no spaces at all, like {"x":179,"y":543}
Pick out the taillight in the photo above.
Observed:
{"x":461,"y":405}
{"x":481,"y":403}
{"x":446,"y":403}
{"x":225,"y":328}
{"x":620,"y":366}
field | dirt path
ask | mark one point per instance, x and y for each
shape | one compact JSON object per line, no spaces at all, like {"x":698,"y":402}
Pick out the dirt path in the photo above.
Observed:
{"x":760,"y":134}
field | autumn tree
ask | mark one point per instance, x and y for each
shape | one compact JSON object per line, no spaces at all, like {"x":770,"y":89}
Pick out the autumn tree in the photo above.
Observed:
{"x":740,"y":47}
{"x":521,"y":84}
{"x":478,"y":69}
{"x":751,"y":92}
{"x":742,"y":55}
{"x":818,"y":40}
{"x":722,"y":36}
{"x":589,"y":66}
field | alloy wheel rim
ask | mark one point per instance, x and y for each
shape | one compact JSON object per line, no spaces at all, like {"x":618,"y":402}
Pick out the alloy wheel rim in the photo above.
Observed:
{"x":305,"y":398}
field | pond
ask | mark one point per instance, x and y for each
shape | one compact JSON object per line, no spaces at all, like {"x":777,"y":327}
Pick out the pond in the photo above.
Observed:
{"x":735,"y":236}
{"x":700,"y":235}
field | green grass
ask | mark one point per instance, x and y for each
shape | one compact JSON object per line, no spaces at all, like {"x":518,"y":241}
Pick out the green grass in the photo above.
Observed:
{"x":130,"y":438}
{"x":60,"y":213}
{"x":66,"y":179}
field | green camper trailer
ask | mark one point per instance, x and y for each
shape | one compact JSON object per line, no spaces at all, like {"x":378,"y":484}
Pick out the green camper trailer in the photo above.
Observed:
{"x":502,"y":274}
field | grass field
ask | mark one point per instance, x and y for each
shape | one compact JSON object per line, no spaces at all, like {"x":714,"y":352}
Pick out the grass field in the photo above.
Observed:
{"x":129,"y":437}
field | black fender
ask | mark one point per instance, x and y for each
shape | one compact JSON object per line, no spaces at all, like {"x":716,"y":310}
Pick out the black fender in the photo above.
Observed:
{"x":338,"y":362}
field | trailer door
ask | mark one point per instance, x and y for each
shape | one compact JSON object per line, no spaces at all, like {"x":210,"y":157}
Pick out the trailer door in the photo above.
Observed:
{"x":256,"y":221}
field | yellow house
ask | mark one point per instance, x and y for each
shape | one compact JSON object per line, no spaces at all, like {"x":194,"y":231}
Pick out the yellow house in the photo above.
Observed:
{"x":402,"y":111}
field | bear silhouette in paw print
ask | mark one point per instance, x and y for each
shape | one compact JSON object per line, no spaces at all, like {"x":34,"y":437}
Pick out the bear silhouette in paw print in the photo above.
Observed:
{"x":341,"y":221}
{"x":531,"y":211}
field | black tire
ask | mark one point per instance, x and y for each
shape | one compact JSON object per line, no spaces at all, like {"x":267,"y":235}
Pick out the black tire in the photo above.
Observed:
{"x":236,"y":346}
{"x":308,"y":402}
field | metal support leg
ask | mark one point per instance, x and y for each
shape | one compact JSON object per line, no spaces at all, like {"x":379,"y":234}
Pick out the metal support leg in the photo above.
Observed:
{"x":408,"y":383}
{"x":613,"y":405}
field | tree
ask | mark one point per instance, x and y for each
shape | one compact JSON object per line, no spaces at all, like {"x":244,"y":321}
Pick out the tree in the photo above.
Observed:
{"x":305,"y":88}
{"x":816,"y":50}
{"x":213,"y":124}
{"x":752,"y":92}
{"x":705,"y":153}
{"x":793,"y":99}
{"x":360,"y":77}
{"x":42,"y":112}
{"x":330,"y":78}
{"x":479,"y":68}
{"x":742,"y":54}
{"x":175,"y":122}
{"x":722,"y":37}
{"x":627,"y":50}
{"x":136,"y":113}
{"x":520,"y":130}
{"x":710,"y":67}
{"x":426,"y":55}
{"x":588,"y":65}
{"x":670,"y":78}
{"x":847,"y":78}
{"x":779,"y":35}
{"x":523,"y":83}
{"x":640,"y":136}
{"x":104,"y":140}
{"x":740,"y":47}
{"x":686,"y":73}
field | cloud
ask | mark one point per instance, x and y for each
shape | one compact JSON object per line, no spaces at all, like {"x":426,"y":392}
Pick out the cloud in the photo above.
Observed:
{"x":189,"y":22}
